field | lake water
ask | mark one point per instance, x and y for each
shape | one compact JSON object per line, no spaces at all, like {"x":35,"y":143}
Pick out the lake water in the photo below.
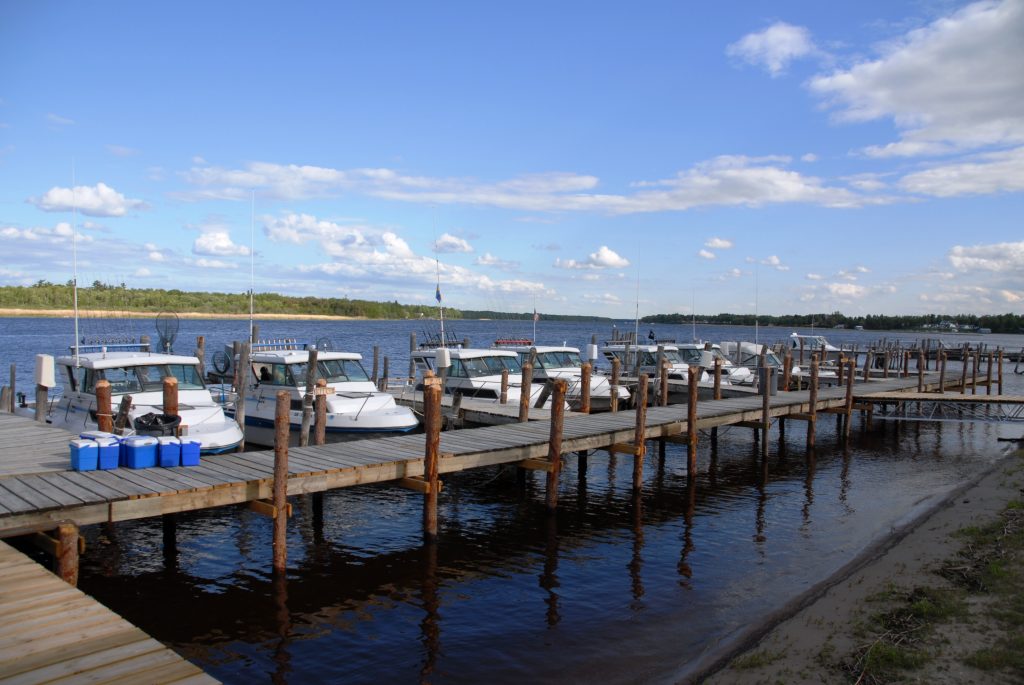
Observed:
{"x":611,"y":589}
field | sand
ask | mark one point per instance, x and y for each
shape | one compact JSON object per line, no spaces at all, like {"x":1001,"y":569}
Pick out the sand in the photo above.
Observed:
{"x":808,"y":639}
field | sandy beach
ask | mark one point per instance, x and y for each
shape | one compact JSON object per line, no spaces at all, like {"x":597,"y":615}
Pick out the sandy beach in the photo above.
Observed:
{"x":816,"y":639}
{"x":99,"y":313}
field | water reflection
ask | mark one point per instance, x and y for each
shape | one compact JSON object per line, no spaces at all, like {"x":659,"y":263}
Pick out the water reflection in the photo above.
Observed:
{"x":430,"y":626}
{"x":549,"y":577}
{"x":636,"y":560}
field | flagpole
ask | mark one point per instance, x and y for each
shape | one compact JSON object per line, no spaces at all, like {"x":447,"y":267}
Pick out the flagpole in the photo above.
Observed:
{"x":437,"y":296}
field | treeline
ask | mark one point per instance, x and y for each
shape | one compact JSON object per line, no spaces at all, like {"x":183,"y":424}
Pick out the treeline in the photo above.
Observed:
{"x":997,"y":323}
{"x":119,"y":299}
{"x":525,"y":316}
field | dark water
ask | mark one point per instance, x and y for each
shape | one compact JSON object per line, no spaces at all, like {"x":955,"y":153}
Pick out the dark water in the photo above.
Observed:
{"x":611,"y":589}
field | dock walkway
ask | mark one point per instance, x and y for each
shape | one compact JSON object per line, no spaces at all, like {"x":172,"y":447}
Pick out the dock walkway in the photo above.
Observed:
{"x":51,"y":632}
{"x":37,"y":502}
{"x":30,"y":447}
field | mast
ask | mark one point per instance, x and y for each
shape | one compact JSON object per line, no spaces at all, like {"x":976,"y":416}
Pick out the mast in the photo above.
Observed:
{"x":437,"y":296}
{"x":252,"y":261}
{"x":74,"y":254}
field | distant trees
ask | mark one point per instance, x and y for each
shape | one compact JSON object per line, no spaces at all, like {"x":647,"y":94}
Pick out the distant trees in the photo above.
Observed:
{"x":997,"y":323}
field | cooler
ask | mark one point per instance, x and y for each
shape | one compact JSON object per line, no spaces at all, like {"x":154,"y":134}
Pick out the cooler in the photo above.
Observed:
{"x":109,"y":452}
{"x":189,"y":452}
{"x":168,"y":451}
{"x":84,"y":455}
{"x":139,"y":451}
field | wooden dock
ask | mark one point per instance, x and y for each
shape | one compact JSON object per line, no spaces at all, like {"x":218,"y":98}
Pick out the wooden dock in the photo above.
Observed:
{"x":51,"y":632}
{"x":37,"y":502}
{"x":30,"y":447}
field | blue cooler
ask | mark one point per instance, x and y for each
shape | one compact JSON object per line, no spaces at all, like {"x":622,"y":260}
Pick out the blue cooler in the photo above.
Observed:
{"x":84,"y":455}
{"x":139,"y":451}
{"x":110,"y":452}
{"x":95,"y":435}
{"x":168,"y":451}
{"x":189,"y":452}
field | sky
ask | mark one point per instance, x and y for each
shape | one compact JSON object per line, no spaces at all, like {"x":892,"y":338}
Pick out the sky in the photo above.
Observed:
{"x":591,"y":158}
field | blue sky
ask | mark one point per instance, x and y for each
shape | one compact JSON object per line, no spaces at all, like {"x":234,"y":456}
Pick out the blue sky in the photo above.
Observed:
{"x":589,"y":157}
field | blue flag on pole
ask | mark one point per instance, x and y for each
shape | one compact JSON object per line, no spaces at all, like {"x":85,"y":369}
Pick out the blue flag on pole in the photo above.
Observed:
{"x":437,"y":293}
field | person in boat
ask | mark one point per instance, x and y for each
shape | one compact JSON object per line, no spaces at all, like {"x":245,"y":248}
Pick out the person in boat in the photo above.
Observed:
{"x":265,"y":376}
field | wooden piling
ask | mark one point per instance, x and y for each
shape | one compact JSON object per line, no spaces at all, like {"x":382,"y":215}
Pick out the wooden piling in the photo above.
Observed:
{"x":640,"y":433}
{"x":558,"y":388}
{"x":848,"y":407}
{"x":766,"y":419}
{"x":170,"y":387}
{"x":104,"y":413}
{"x":693,"y":377}
{"x":812,"y":412}
{"x":385,"y":376}
{"x":842,"y":370}
{"x":614,"y":385}
{"x":717,"y":395}
{"x":242,"y":387}
{"x":431,"y":454}
{"x":663,"y":383}
{"x":201,"y":354}
{"x":940,"y":363}
{"x":376,"y":364}
{"x":801,"y":351}
{"x":975,"y":363}
{"x":988,"y":375}
{"x":1000,"y":375}
{"x":787,"y":370}
{"x":524,"y":392}
{"x":503,"y":397}
{"x":13,"y":398}
{"x":67,"y":554}
{"x":280,"y":491}
{"x":920,"y":370}
{"x":320,"y":403}
{"x":412,"y":364}
{"x":585,"y":371}
{"x":41,"y":402}
{"x":312,"y":370}
{"x":255,"y":334}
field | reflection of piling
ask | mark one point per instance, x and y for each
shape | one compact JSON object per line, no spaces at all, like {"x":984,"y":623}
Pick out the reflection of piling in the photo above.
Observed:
{"x":555,"y":441}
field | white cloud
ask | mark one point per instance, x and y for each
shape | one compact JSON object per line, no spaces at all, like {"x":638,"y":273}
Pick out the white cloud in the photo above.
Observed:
{"x":98,"y":200}
{"x":122,"y":151}
{"x":214,"y":264}
{"x":846,"y":290}
{"x":774,"y":262}
{"x":814,"y":277}
{"x":602,"y":298}
{"x":143,"y":272}
{"x":604,"y":258}
{"x":60,"y":234}
{"x":448,"y":243}
{"x":706,"y":254}
{"x":998,"y":257}
{"x":1011,"y":297}
{"x":156,"y":256}
{"x":774,"y":47}
{"x":718,"y":244}
{"x":487,"y":259}
{"x":59,"y":120}
{"x":989,"y":173}
{"x":809,"y":157}
{"x":952,"y":85}
{"x":218,"y":243}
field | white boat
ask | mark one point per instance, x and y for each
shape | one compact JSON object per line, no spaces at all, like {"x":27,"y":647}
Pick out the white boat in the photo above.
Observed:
{"x":140,"y":373}
{"x":355,"y":407}
{"x":748,"y":355}
{"x":646,"y":357}
{"x":813,"y":344}
{"x":732,"y":374}
{"x":476,"y":372}
{"x":559,"y":361}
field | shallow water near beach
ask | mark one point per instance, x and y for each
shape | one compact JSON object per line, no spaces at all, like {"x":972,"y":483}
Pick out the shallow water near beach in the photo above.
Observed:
{"x":611,"y":589}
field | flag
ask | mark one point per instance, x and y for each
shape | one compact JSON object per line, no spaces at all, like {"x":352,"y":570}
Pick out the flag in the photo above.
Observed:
{"x":437,"y":293}
{"x":536,"y":316}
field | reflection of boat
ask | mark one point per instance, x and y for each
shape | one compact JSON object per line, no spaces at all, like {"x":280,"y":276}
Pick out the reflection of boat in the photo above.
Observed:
{"x":565,"y":362}
{"x":140,"y":373}
{"x":355,"y":407}
{"x":475,"y":372}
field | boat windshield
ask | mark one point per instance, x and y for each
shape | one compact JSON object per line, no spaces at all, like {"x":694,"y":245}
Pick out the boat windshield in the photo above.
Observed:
{"x":340,"y":371}
{"x":687,"y":355}
{"x":474,"y":367}
{"x":146,"y":378}
{"x":559,"y":360}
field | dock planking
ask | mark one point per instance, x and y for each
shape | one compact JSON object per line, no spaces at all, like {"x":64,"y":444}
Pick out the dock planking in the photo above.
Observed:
{"x":33,"y":503}
{"x":51,"y":632}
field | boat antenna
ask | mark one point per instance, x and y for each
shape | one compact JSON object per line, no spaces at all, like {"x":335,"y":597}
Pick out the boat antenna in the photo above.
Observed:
{"x":693,"y":311}
{"x":535,"y":317}
{"x":252,"y":262}
{"x":437,"y":296}
{"x":74,"y":253}
{"x":636,"y":318}
{"x":756,"y":271}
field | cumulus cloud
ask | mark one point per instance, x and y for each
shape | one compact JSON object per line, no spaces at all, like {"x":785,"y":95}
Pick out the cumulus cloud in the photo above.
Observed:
{"x":122,"y":151}
{"x":448,"y":243}
{"x":998,"y":257}
{"x":774,"y":262}
{"x":774,"y":47}
{"x":814,"y":277}
{"x":60,"y":234}
{"x":952,"y":85}
{"x":142,"y":272}
{"x":218,"y":243}
{"x":214,"y":264}
{"x":846,"y":290}
{"x":718,"y":244}
{"x":98,"y":200}
{"x":984,"y":174}
{"x":487,"y":259}
{"x":604,"y":258}
{"x":706,"y":254}
{"x":1011,"y":297}
{"x":59,"y":120}
{"x":809,"y":157}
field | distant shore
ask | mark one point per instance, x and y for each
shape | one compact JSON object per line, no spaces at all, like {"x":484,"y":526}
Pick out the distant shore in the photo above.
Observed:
{"x":100,"y":313}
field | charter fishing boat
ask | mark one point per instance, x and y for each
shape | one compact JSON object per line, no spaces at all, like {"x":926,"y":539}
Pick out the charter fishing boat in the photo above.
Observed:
{"x":134,"y":370}
{"x":560,"y":361}
{"x":813,"y":344}
{"x":748,"y":355}
{"x":644,"y":358}
{"x":355,"y":407}
{"x":704,"y":356}
{"x":476,"y":372}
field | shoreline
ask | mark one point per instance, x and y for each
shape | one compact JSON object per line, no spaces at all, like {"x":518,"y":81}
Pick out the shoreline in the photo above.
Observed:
{"x":106,"y":314}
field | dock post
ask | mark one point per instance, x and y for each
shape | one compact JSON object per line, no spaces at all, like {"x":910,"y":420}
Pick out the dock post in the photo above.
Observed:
{"x":842,"y":370}
{"x":320,"y":410}
{"x":307,"y":397}
{"x":170,"y":387}
{"x":693,"y":377}
{"x":920,"y":371}
{"x":988,"y":375}
{"x":412,"y":364}
{"x":787,"y":370}
{"x":432,"y":448}
{"x":964,"y":358}
{"x":383,"y":386}
{"x":640,"y":433}
{"x":1000,"y":371}
{"x":663,"y":383}
{"x":41,"y":401}
{"x":558,"y":388}
{"x":975,"y":363}
{"x":766,"y":419}
{"x":280,"y":493}
{"x":67,"y":555}
{"x":940,"y":363}
{"x":812,"y":423}
{"x":848,"y":408}
{"x":868,"y":358}
{"x":585,"y":370}
{"x":503,"y":397}
{"x":801,"y":351}
{"x":376,"y":364}
{"x":614,"y":385}
{"x":717,"y":395}
{"x":13,"y":399}
{"x":886,"y":359}
{"x":143,"y":343}
{"x":201,"y":354}
{"x":241,"y":387}
{"x":104,"y":413}
{"x":524,"y":392}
